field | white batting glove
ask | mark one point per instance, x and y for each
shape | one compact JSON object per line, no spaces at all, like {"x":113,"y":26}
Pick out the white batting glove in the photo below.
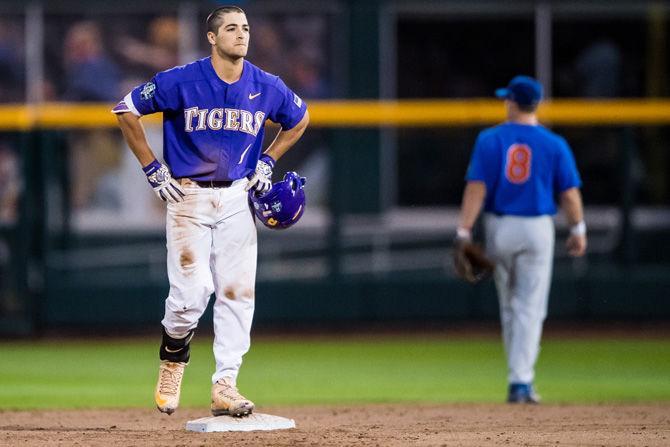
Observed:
{"x":261,"y":181}
{"x":165,"y":187}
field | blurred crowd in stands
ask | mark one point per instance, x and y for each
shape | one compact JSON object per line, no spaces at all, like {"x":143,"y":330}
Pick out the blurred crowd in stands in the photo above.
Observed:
{"x":100,"y":59}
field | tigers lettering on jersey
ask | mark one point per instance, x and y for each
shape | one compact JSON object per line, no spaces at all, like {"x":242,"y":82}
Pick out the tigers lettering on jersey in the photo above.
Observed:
{"x":196,"y":119}
{"x":213,"y":129}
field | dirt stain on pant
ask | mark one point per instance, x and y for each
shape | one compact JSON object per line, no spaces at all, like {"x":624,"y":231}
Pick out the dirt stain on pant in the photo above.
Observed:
{"x":186,"y":261}
{"x":229,"y":293}
{"x":233,"y":293}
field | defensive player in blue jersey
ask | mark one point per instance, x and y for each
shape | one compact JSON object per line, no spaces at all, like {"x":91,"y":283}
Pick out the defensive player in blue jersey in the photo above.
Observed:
{"x":214,"y":112}
{"x":516,"y":170}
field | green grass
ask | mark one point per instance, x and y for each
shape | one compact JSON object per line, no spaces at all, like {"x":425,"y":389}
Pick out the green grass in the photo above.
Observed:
{"x":71,"y":374}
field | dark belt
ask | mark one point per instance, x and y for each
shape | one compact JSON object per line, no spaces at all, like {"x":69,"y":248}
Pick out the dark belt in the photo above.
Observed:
{"x":214,"y":183}
{"x":207,"y":183}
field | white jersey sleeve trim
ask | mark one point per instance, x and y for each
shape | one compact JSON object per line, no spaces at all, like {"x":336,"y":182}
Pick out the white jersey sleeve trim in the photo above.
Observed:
{"x":126,"y":105}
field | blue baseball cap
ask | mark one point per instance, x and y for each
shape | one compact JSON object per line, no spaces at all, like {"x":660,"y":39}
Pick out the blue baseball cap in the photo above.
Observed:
{"x":522,"y":90}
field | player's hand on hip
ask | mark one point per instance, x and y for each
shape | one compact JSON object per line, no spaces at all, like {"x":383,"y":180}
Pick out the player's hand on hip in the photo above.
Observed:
{"x":576,"y":245}
{"x":160,"y":179}
{"x":261,"y":180}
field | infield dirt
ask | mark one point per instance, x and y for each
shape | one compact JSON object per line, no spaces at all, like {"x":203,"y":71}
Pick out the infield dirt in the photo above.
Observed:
{"x":365,"y":425}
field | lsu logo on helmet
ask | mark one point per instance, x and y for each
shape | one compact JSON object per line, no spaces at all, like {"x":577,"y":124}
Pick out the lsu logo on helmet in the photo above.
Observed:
{"x":283,"y":205}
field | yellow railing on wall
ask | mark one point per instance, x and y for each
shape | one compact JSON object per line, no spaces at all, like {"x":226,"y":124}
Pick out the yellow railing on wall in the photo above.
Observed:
{"x":373,"y":113}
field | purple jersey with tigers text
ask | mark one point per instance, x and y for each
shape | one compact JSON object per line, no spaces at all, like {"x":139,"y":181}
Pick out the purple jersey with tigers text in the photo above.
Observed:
{"x":523,"y":167}
{"x":213,"y":130}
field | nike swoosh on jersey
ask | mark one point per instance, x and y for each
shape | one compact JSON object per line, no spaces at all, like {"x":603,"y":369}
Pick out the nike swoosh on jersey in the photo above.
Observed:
{"x":244,"y":153}
{"x":254,"y":96}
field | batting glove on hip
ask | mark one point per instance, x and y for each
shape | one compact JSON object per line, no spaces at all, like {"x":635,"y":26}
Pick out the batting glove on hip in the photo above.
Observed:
{"x":165,"y":187}
{"x":261,"y":181}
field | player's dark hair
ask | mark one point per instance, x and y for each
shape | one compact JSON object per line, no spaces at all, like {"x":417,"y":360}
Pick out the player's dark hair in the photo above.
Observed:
{"x":527,"y":108}
{"x":215,"y":18}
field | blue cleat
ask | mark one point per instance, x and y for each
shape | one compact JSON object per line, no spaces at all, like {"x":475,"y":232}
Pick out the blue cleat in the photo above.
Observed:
{"x":522,"y":393}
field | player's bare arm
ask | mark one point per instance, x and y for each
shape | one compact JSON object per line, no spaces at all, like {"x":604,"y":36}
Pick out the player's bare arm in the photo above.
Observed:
{"x":261,"y":181}
{"x":285,"y":139}
{"x":473,"y":200}
{"x":158,"y":175}
{"x":133,"y":133}
{"x":571,"y":203}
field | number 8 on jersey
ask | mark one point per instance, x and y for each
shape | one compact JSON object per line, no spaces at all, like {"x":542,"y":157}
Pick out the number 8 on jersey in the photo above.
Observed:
{"x":517,"y":168}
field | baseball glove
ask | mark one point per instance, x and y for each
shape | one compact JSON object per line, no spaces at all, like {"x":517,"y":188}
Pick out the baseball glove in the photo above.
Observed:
{"x":471,"y":263}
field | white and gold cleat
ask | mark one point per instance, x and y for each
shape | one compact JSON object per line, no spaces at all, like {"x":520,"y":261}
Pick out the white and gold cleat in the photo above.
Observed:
{"x":227,"y":400}
{"x":168,"y":387}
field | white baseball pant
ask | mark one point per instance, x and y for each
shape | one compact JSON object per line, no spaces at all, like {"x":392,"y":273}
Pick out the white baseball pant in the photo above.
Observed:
{"x":523,"y":249}
{"x":212,"y":248}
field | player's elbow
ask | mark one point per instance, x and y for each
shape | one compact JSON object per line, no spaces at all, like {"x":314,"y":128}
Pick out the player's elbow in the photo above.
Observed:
{"x":571,"y":195}
{"x":122,"y":117}
{"x":126,"y":119}
{"x":302,"y":125}
{"x":571,"y":202}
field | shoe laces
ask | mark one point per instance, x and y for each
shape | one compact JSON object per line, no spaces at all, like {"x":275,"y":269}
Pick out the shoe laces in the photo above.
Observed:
{"x":170,"y":380}
{"x":228,"y":391}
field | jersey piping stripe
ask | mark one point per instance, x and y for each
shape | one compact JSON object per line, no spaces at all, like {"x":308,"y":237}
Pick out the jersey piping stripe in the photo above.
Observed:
{"x":244,"y":153}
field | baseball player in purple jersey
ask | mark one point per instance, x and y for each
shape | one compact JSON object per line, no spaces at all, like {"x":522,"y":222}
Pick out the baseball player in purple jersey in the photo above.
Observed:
{"x":214,"y":111}
{"x":516,"y":170}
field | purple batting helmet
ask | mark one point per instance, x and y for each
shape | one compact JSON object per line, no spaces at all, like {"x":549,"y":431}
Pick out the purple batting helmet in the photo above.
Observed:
{"x":283,"y":205}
